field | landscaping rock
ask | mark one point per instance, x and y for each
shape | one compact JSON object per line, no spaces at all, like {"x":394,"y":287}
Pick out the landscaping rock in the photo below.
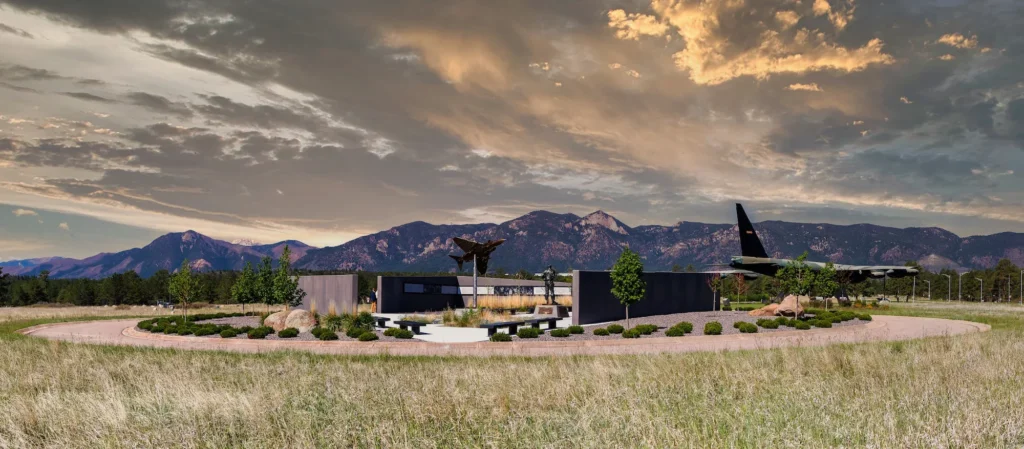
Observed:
{"x":790,"y":306}
{"x":768,"y":310}
{"x":303,"y":320}
{"x":276,"y":320}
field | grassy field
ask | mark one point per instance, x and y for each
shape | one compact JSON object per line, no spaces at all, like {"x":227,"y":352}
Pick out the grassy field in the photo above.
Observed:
{"x":964,"y":391}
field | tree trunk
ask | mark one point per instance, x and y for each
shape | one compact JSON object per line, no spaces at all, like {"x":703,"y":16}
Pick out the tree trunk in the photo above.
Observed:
{"x":627,"y":316}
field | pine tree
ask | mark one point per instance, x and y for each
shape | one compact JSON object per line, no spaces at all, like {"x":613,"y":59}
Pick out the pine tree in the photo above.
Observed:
{"x":627,"y":279}
{"x":245,"y":290}
{"x":286,"y":287}
{"x":264,"y":287}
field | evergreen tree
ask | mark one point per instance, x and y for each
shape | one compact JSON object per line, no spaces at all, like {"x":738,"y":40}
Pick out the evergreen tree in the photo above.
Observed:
{"x":184,"y":286}
{"x":265,"y":281}
{"x":627,"y":279}
{"x":5,"y":287}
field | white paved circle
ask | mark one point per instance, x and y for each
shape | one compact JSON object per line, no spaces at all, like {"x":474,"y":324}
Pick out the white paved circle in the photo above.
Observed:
{"x":882,"y":328}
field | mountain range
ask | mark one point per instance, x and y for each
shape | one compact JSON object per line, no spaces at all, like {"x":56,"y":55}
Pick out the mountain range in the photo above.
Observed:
{"x":566,"y":241}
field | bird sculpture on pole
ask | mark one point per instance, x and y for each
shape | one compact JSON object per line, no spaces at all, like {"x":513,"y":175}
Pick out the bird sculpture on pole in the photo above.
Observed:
{"x":479,"y":254}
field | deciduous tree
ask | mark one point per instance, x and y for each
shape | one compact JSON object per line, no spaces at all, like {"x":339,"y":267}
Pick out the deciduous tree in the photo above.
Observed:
{"x":627,"y":279}
{"x":184,"y":286}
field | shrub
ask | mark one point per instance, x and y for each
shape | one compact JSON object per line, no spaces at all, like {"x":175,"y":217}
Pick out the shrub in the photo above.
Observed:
{"x":615,"y":329}
{"x":748,"y":328}
{"x":646,"y":329}
{"x":366,"y":320}
{"x":864,"y":317}
{"x":631,"y":333}
{"x":501,"y":336}
{"x":685,"y":326}
{"x":327,"y":335}
{"x":713,"y":328}
{"x":847,"y":316}
{"x":601,"y":331}
{"x":230,"y":333}
{"x":727,"y":308}
{"x":157,"y":329}
{"x":290,"y":332}
{"x":368,"y":336}
{"x":675,"y":332}
{"x":769,"y":324}
{"x":528,"y":332}
{"x":391,"y":331}
{"x":260,"y":333}
{"x":244,"y":329}
{"x":263,"y":316}
{"x":822,"y":323}
{"x":317,"y":331}
{"x":560,"y":333}
{"x":356,"y":331}
{"x":783,"y":321}
{"x":575,"y":329}
{"x":801,"y":325}
{"x":332,"y":322}
{"x":185,"y":330}
{"x":404,"y":334}
{"x":737,"y":324}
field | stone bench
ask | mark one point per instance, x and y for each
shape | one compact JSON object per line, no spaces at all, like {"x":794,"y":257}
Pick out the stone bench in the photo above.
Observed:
{"x":414,"y":325}
{"x":552,"y":322}
{"x":492,"y":328}
{"x":382,"y":321}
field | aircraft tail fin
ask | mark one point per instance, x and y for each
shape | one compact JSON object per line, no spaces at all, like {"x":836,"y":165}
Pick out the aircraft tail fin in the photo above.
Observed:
{"x":750,"y":245}
{"x":458,"y":260}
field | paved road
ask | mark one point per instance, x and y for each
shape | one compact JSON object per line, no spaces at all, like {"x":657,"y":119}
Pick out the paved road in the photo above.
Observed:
{"x":883,"y":328}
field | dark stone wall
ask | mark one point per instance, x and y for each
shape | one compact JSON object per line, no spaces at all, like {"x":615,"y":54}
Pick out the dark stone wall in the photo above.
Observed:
{"x":391,"y":296}
{"x":667,"y":293}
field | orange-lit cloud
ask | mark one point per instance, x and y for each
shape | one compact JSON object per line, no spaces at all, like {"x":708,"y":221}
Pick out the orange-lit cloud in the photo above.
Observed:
{"x":958,"y":40}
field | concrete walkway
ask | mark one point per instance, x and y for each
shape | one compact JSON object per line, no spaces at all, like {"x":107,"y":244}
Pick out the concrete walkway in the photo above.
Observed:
{"x":883,"y":328}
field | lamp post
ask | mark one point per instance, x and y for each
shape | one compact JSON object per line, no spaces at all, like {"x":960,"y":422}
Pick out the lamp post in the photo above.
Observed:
{"x":913,"y":289}
{"x":981,"y":290}
{"x":1022,"y":287}
{"x":949,"y":286}
{"x":929,"y":289}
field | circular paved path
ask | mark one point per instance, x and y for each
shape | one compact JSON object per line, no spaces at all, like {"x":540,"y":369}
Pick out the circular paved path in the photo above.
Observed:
{"x":883,"y":328}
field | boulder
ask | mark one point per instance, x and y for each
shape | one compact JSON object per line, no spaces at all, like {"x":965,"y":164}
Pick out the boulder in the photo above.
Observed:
{"x":303,"y":320}
{"x":276,"y":320}
{"x":790,"y":306}
{"x":768,"y":310}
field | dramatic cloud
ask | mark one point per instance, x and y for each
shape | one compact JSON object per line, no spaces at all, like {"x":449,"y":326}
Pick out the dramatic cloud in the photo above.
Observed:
{"x":325,"y":120}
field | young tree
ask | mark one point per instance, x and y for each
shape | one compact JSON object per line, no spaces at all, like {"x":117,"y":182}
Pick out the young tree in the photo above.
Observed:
{"x":689,"y":268}
{"x":286,"y":286}
{"x":5,"y":287}
{"x":741,"y":287}
{"x":825,"y":283}
{"x":265,"y":282}
{"x":184,"y":286}
{"x":245,"y":290}
{"x":627,"y":279}
{"x":796,"y":278}
{"x":714,"y":282}
{"x":676,"y":268}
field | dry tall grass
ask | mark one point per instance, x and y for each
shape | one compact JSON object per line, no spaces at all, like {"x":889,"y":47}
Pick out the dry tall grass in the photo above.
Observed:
{"x":37,"y":313}
{"x":963,"y":391}
{"x":510,"y":302}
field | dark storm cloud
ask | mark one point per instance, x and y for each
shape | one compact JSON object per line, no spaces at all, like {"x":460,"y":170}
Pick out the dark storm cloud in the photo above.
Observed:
{"x":22,"y":73}
{"x":159,"y":104}
{"x":18,"y":88}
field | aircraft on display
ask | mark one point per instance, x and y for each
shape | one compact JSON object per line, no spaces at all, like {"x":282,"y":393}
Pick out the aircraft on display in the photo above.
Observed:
{"x":481,"y":252}
{"x":754,"y":259}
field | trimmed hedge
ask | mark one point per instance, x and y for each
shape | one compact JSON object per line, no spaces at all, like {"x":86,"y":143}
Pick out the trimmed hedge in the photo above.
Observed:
{"x":501,"y":336}
{"x":713,"y":328}
{"x":290,"y":332}
{"x":601,"y":331}
{"x":528,"y":332}
{"x":615,"y":329}
{"x":575,"y":329}
{"x":560,"y":333}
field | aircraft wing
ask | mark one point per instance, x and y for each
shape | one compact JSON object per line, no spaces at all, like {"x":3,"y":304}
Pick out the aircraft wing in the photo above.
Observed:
{"x":466,"y":245}
{"x":746,"y":273}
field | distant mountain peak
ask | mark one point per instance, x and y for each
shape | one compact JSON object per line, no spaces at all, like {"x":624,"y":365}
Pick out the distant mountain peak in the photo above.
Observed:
{"x":603,"y":219}
{"x":245,"y":242}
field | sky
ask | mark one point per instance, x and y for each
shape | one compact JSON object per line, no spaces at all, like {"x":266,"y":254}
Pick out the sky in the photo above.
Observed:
{"x":323,"y":120}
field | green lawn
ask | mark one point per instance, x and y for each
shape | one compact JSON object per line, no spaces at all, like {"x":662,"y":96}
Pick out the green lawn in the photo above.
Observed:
{"x":963,"y":391}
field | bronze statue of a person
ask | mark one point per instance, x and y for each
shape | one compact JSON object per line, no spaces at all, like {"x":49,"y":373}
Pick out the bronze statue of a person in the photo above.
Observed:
{"x":549,"y":285}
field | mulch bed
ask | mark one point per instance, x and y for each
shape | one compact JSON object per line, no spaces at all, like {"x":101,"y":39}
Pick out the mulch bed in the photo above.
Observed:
{"x":664,"y":322}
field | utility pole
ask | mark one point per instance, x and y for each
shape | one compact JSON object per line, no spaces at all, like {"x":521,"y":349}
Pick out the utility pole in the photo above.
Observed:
{"x":960,"y":288}
{"x":949,"y":287}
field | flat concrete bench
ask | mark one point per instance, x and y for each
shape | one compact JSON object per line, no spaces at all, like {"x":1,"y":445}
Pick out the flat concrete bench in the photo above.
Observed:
{"x":552,"y":322}
{"x":414,"y":325}
{"x":381,"y":321}
{"x":492,"y":328}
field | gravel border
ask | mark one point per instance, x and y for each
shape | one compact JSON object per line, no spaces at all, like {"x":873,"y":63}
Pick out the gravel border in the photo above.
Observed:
{"x":664,"y":322}
{"x":254,"y":321}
